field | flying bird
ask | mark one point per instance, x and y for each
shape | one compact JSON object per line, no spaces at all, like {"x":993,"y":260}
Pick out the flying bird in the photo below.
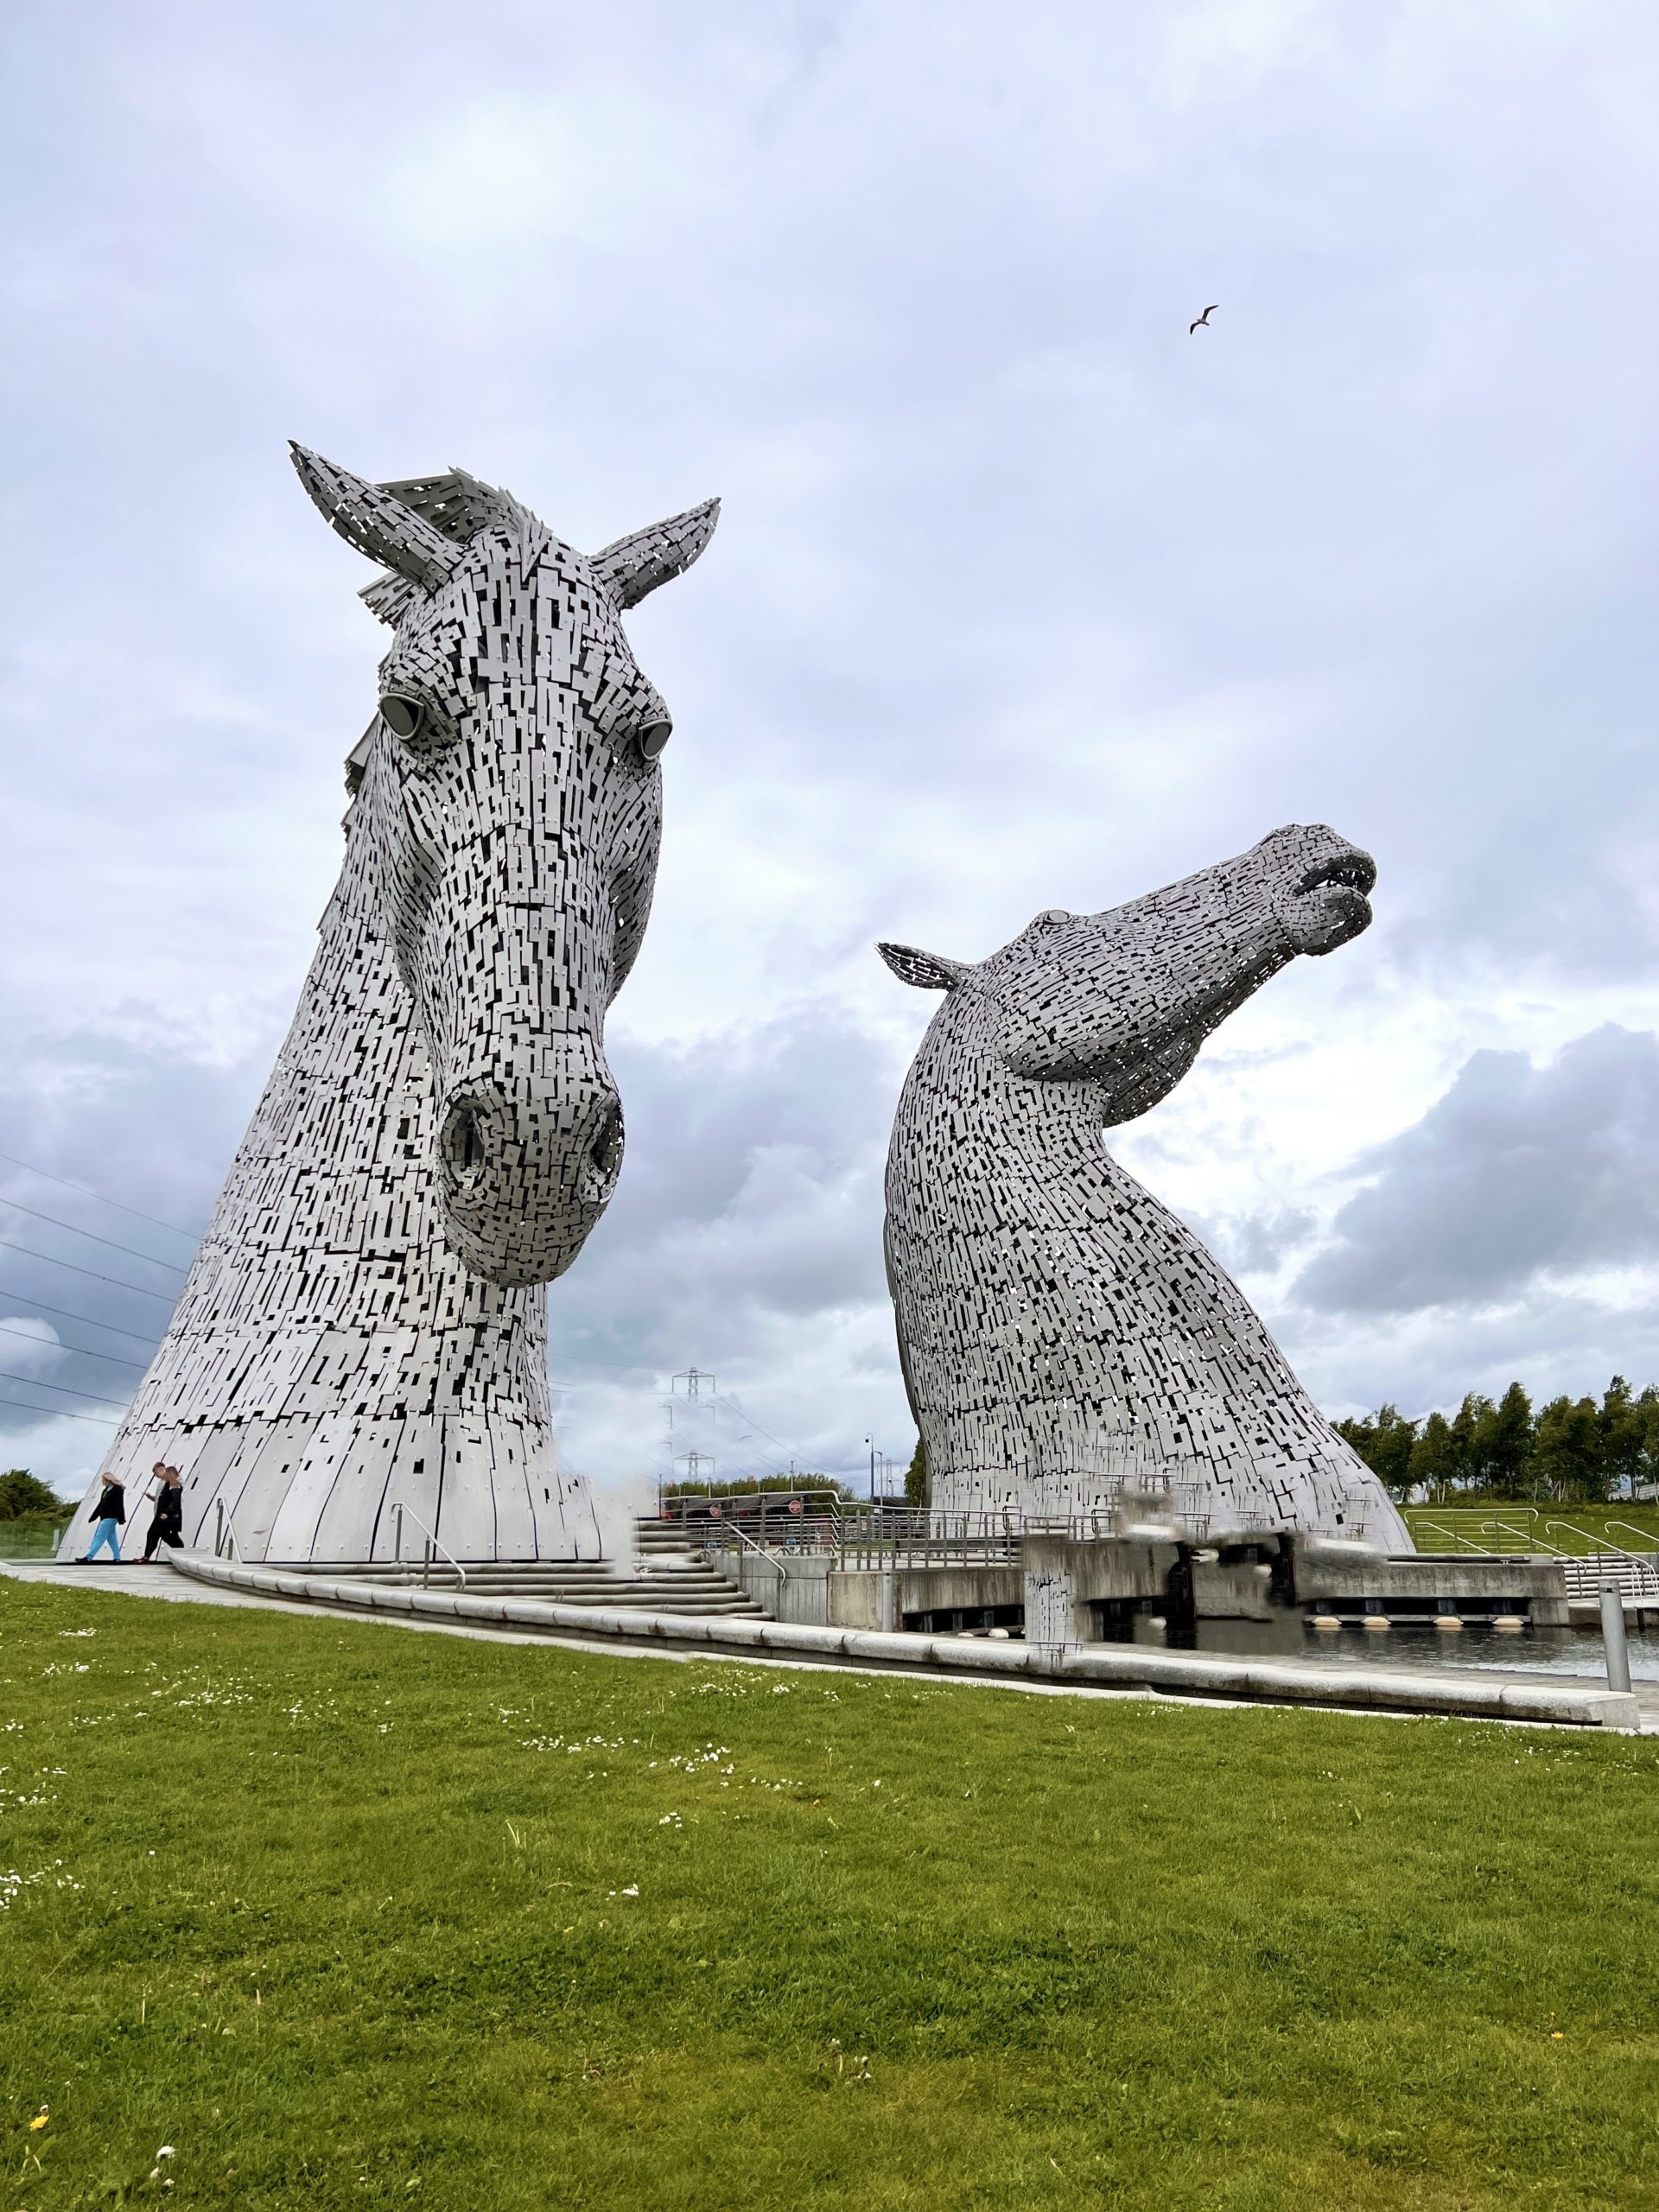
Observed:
{"x":1202,"y":322}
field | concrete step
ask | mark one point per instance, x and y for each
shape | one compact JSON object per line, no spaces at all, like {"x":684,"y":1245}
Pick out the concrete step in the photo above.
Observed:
{"x":665,"y":1536}
{"x":1636,"y":1576}
{"x":694,"y":1590}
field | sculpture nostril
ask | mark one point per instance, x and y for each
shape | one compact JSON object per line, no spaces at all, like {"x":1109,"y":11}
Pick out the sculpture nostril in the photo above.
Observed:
{"x":606,"y":1150}
{"x":463,"y":1143}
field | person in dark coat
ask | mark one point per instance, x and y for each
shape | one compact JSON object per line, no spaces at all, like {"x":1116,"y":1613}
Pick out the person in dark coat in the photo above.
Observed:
{"x":108,"y":1513}
{"x":167,"y":1524}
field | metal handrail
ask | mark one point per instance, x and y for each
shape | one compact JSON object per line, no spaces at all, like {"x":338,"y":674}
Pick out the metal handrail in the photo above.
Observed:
{"x":760,"y":1550}
{"x":807,"y":1503}
{"x":225,"y":1526}
{"x":1440,"y":1529}
{"x":1602,"y":1543}
{"x":1530,"y":1536}
{"x":1652,"y":1544}
{"x":433,"y":1542}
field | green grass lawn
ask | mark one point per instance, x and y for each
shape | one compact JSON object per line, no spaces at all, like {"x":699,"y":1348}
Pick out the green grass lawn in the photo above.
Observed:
{"x":32,"y":1535}
{"x":350,"y":1915}
{"x":1517,"y":1527}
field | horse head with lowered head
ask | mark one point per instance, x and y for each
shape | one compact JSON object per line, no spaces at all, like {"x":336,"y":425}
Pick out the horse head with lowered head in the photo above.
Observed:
{"x":509,"y":798}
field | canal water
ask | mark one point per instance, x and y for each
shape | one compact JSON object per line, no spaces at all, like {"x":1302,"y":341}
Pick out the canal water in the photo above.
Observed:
{"x":1415,"y":1646}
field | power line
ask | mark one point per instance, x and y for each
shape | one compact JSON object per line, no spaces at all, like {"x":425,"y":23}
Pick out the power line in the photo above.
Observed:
{"x":40,"y":1306}
{"x":86,"y":1191}
{"x":113,"y":1357}
{"x":28,"y":1253}
{"x":62,"y":1413}
{"x":34,"y":1384}
{"x":131,"y":1250}
{"x":732,"y":1406}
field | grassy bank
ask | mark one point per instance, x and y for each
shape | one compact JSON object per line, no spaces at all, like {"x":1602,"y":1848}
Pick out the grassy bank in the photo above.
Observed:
{"x":33,"y":1535}
{"x":1571,"y":1529}
{"x":350,"y":1916}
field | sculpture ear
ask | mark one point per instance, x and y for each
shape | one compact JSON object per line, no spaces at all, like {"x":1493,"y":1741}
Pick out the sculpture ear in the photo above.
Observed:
{"x":637,"y":564}
{"x":389,"y":596}
{"x":377,"y":522}
{"x":928,"y":971}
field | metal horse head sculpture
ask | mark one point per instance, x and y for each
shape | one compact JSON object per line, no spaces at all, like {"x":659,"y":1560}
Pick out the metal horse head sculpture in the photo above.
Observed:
{"x":512,"y":801}
{"x":1061,"y":1332}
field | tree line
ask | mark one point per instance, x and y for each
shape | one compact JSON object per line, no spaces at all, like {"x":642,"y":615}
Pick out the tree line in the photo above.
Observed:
{"x":24,"y":1497}
{"x":1570,"y":1450}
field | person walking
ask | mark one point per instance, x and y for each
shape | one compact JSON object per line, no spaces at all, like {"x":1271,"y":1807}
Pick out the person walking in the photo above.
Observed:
{"x":167,"y":1522}
{"x":109,"y":1513}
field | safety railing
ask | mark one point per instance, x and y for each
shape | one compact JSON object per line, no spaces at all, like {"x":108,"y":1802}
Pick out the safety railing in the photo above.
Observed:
{"x":433,"y":1544}
{"x":880,"y":1535}
{"x":1530,"y":1536}
{"x":919,"y":1538}
{"x":1462,"y":1525}
{"x":1637,"y":1573}
{"x":802,"y":1519}
{"x":746,"y":1542}
{"x":1421,"y":1524}
{"x":1637,"y":1578}
{"x":224,"y":1543}
{"x":1597,"y":1544}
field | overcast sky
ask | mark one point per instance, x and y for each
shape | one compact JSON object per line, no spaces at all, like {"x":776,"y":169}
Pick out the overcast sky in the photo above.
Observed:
{"x":1021,"y":598}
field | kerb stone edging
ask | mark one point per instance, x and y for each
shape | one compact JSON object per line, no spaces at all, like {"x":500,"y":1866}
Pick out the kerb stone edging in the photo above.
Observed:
{"x":1118,"y":1666}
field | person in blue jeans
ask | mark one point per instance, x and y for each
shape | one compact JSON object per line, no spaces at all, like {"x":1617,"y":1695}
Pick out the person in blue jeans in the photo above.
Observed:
{"x":110,"y":1512}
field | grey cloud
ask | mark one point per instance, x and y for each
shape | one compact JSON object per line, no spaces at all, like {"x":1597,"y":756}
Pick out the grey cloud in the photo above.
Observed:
{"x":140,"y":1122}
{"x":1020,"y":598}
{"x":1518,"y":1172}
{"x":1260,"y":1242}
{"x":745,"y":1235}
{"x":751,"y":1205}
{"x":1554,"y":1341}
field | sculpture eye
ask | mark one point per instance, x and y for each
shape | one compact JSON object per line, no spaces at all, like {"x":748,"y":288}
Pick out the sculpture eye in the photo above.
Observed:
{"x":402,"y":715}
{"x":653,"y":737}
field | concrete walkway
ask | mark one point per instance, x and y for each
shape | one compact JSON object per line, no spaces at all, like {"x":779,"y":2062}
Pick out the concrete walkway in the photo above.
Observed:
{"x":1090,"y":1670}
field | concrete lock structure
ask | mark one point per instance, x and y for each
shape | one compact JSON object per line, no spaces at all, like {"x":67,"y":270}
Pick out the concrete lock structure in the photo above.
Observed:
{"x":1257,"y":1590}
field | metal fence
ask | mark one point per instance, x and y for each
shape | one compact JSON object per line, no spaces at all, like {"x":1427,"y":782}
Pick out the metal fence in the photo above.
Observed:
{"x":1539,"y":1530}
{"x":882,"y":1535}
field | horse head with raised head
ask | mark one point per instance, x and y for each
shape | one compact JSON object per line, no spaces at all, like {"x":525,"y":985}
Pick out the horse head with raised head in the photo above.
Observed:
{"x":509,"y":800}
{"x":1122,"y":1000}
{"x":1061,"y":1332}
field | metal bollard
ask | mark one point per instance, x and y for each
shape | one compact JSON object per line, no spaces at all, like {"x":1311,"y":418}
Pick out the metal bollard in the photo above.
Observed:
{"x":1613,"y":1638}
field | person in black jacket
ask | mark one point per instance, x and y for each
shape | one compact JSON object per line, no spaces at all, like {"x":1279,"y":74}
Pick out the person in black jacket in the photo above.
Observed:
{"x":109,"y":1513}
{"x":167,"y":1524}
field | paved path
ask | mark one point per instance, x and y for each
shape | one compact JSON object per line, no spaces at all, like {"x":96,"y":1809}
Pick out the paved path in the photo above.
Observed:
{"x":159,"y":1581}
